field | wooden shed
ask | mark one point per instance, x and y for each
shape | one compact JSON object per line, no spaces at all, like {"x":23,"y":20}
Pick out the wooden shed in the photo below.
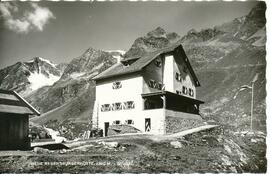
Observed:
{"x":14,"y":121}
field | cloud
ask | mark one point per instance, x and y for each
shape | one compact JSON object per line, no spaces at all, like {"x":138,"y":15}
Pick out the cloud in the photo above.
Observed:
{"x":34,"y":19}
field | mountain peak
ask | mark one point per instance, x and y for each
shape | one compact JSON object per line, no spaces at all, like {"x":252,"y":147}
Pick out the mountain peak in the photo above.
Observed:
{"x":155,"y":39}
{"x":37,"y":59}
{"x":192,"y":31}
{"x":40,"y":59}
{"x":90,"y":50}
{"x":157,"y":32}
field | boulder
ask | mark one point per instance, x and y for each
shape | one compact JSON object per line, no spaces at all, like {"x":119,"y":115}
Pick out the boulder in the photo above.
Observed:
{"x":176,"y":144}
{"x":110,"y":144}
{"x":40,"y":150}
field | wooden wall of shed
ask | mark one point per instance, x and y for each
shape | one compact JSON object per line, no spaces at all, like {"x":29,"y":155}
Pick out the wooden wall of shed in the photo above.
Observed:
{"x":14,"y":132}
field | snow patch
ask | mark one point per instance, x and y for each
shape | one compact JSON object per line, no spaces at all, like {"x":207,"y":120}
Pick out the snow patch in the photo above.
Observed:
{"x":261,"y":35}
{"x":97,"y":67}
{"x":38,"y":80}
{"x":118,"y":58}
{"x":260,"y":42}
{"x":218,"y":59}
{"x":6,"y":76}
{"x":55,"y":135}
{"x":76,"y":75}
{"x":119,"y":51}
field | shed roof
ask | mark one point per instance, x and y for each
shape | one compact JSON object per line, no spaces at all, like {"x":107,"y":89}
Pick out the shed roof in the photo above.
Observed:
{"x":12,"y":102}
{"x":120,"y":69}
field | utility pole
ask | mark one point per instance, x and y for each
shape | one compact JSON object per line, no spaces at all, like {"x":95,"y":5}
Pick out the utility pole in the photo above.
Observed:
{"x":252,"y":97}
{"x":252,"y":103}
{"x":97,"y":114}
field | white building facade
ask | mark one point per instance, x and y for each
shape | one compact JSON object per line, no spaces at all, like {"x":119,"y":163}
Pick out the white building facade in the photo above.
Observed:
{"x":150,"y":93}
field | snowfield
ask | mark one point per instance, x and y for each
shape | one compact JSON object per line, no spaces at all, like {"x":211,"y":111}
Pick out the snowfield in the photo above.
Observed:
{"x":38,"y":80}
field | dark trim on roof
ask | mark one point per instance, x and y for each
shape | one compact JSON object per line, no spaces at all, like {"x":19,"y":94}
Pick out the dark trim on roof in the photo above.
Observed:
{"x":197,"y":83}
{"x":131,"y":74}
{"x":111,"y":76}
{"x":170,"y":94}
{"x":36,"y":112}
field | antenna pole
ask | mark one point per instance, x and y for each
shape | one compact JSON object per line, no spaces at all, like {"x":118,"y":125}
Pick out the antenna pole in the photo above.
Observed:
{"x":252,"y":103}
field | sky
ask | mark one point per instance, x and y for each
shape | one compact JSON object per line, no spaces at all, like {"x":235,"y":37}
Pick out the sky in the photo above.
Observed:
{"x":61,"y":31}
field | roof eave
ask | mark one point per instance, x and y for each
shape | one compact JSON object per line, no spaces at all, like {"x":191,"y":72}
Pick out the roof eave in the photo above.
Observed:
{"x":117,"y":75}
{"x":35,"y":112}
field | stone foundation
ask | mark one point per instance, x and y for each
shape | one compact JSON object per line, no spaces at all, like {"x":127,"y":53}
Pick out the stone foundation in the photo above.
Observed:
{"x":177,"y":124}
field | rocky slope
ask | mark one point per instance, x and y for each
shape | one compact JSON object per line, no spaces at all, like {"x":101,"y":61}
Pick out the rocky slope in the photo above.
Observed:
{"x":90,"y":62}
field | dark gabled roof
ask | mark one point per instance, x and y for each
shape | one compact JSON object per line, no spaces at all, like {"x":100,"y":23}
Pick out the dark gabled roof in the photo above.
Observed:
{"x":120,"y":69}
{"x":12,"y":102}
{"x":173,"y":95}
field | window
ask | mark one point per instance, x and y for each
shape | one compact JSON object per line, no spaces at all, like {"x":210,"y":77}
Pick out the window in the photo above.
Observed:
{"x":151,"y":83}
{"x":105,"y":107}
{"x":129,"y":122}
{"x":184,"y":90}
{"x":158,"y":63}
{"x":116,"y":122}
{"x":117,"y":85}
{"x":156,"y":85}
{"x":116,"y":106}
{"x":191,"y":92}
{"x":178,"y":92}
{"x":161,"y":86}
{"x":178,"y":77}
{"x":129,"y":105}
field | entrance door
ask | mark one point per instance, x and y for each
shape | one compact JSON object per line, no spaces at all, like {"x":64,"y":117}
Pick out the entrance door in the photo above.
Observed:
{"x":147,"y":125}
{"x":106,"y":127}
